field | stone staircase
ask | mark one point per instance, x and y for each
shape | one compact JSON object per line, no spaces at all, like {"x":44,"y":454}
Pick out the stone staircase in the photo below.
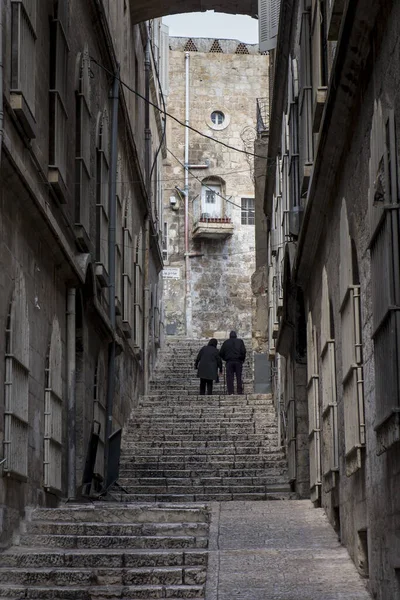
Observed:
{"x":175,"y":373}
{"x":108,"y":551}
{"x":179,"y":451}
{"x":180,"y":447}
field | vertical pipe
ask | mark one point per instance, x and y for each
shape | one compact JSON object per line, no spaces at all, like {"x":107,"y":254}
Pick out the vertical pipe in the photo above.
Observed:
{"x":71,"y":380}
{"x":188,"y":298}
{"x":147,"y":131}
{"x":146,"y":308}
{"x":112,"y":208}
{"x":146,"y":239}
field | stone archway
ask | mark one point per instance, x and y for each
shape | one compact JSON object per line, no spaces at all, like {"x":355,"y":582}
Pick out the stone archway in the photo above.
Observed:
{"x":143,"y":10}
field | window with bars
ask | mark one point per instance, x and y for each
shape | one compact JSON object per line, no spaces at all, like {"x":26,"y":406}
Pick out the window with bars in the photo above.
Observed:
{"x":127,"y":260}
{"x":248,"y":211}
{"x":58,"y":101}
{"x":16,"y":392}
{"x":330,"y":434}
{"x":82,"y":148}
{"x":53,"y":413}
{"x":102,"y":200}
{"x":100,"y":413}
{"x":165,"y":242}
{"x":385,"y":275}
{"x":314,"y":430}
{"x":138,"y":292}
{"x":23,"y":63}
{"x":352,"y":355}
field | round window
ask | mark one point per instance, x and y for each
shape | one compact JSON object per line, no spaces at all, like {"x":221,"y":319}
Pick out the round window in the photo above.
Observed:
{"x":217,"y":117}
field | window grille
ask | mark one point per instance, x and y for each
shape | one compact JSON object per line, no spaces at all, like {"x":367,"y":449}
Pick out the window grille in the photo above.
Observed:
{"x":58,"y":98}
{"x":118,"y":252}
{"x":16,"y":413}
{"x":138,"y":293}
{"x":127,"y":258}
{"x":290,"y":410}
{"x":83,"y":149}
{"x":314,"y":430}
{"x":248,"y":211}
{"x":100,"y":413}
{"x":330,"y":435}
{"x":53,"y":413}
{"x":385,"y":249}
{"x":23,"y":50}
{"x":352,"y":356}
{"x":102,"y":185}
{"x":165,"y":242}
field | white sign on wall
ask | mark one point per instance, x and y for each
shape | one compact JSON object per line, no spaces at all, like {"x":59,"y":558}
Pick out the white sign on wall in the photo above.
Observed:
{"x":172,"y":273}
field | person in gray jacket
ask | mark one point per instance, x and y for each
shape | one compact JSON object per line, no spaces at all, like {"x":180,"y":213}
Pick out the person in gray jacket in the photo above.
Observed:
{"x":207,"y":364}
{"x":233,"y":352}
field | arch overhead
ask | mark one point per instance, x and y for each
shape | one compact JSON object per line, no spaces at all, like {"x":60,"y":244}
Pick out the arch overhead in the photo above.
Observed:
{"x":151,"y":9}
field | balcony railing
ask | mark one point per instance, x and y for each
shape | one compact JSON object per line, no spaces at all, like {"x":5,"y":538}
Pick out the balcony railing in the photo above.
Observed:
{"x":214,"y":221}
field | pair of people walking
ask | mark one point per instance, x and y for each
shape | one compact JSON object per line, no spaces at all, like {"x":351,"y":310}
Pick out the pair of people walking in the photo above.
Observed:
{"x":208,"y":363}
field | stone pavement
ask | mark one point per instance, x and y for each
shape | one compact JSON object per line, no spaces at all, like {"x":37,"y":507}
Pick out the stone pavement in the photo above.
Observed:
{"x":278,"y":550}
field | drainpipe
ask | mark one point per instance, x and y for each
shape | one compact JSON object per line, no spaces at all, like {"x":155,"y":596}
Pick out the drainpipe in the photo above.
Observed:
{"x":112,"y":212}
{"x":147,"y":131}
{"x":71,"y":380}
{"x":1,"y":79}
{"x":188,"y":297}
{"x":146,"y":308}
{"x":146,"y":238}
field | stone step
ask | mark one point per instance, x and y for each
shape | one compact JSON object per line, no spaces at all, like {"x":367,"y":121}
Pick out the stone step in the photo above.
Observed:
{"x":277,"y":468}
{"x":205,"y":437}
{"x":31,"y":557}
{"x":116,"y":529}
{"x":197,"y":445}
{"x":17,"y":592}
{"x":43,"y":576}
{"x":197,"y":489}
{"x":194,"y":462}
{"x":136,"y":513}
{"x":141,"y":450}
{"x":218,"y":497}
{"x":127,"y":482}
{"x":123,"y":542}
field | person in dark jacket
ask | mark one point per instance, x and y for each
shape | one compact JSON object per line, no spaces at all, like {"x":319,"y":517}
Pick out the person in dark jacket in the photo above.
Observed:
{"x":233,"y":352}
{"x":207,"y":363}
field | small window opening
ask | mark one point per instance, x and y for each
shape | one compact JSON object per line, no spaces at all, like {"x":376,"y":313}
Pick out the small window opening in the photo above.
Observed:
{"x":217,"y":117}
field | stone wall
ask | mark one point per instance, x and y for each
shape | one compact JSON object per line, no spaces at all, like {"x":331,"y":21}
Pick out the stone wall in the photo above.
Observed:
{"x":41,"y":244}
{"x":221,"y":269}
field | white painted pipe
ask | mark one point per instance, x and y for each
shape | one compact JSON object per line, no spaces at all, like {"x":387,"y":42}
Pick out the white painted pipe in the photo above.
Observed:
{"x":186,"y":162}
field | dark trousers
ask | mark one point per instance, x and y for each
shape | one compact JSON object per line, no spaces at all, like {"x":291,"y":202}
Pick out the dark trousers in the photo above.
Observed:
{"x":203,"y":384}
{"x":234,"y":367}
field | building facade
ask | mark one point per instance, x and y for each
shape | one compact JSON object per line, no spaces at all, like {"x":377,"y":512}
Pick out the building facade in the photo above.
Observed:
{"x":332,"y":198}
{"x":80,"y":240}
{"x":209,"y":186}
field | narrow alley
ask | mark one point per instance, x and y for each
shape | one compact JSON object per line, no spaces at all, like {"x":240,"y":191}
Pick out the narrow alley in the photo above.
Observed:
{"x":203,"y":509}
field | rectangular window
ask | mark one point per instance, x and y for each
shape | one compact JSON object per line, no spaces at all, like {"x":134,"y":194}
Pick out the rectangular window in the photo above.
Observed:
{"x":248,"y":212}
{"x":58,"y":103}
{"x":23,"y":63}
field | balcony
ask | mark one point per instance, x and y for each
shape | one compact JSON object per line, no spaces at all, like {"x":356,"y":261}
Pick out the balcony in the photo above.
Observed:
{"x":216,"y":224}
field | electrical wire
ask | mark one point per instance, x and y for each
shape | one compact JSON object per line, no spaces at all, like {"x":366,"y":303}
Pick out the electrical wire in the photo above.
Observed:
{"x":166,"y":114}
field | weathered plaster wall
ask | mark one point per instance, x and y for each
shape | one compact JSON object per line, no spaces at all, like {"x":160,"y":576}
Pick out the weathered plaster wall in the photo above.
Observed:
{"x":220,"y":269}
